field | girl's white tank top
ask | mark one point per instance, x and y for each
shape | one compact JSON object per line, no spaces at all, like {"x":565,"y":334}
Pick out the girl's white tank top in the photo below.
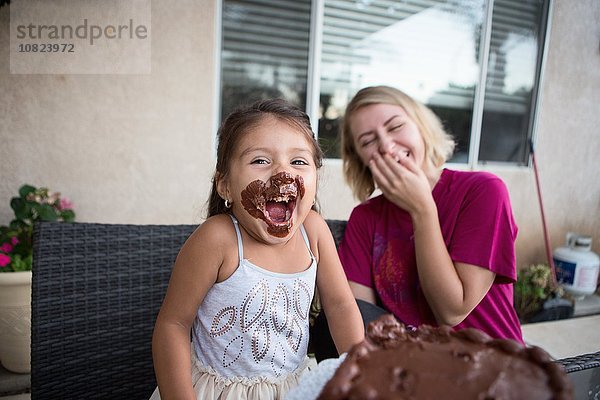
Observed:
{"x":255,"y":323}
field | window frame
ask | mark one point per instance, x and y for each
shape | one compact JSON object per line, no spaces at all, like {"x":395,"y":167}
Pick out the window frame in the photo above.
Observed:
{"x":314,"y":81}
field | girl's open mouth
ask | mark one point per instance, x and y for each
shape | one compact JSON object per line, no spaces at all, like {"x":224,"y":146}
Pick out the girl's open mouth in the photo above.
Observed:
{"x":274,"y":204}
{"x":401,"y":154}
{"x":280,"y":211}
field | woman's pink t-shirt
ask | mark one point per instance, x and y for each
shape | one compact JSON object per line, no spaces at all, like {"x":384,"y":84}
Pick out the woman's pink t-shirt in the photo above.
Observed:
{"x":478,"y":227}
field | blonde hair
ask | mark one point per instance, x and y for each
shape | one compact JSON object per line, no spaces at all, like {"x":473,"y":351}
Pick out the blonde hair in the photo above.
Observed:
{"x":439,"y":145}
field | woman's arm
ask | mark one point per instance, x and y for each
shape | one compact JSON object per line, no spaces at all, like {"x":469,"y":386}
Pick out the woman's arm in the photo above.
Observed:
{"x":195,"y":271}
{"x":452,"y":290}
{"x":343,"y":317}
{"x":363,"y":292}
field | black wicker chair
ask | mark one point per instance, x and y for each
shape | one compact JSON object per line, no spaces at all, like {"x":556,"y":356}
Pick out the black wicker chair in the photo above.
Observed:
{"x":96,"y":291}
{"x":581,"y":362}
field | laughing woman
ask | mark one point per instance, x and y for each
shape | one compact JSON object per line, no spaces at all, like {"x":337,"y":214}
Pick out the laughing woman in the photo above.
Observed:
{"x":437,"y":246}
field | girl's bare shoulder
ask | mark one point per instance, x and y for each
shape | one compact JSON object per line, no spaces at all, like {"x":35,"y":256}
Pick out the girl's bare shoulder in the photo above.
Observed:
{"x":315,"y":224}
{"x":216,"y":233}
{"x":318,"y":232}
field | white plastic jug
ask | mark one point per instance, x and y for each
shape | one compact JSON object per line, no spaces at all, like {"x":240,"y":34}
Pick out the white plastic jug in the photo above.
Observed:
{"x":577,"y":267}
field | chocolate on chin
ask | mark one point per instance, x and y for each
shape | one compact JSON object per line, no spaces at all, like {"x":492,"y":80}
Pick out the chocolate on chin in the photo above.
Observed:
{"x":274,"y":203}
{"x":395,"y":362}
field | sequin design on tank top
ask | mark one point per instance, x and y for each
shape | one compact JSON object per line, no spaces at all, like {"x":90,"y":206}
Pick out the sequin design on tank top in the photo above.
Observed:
{"x":262,"y":324}
{"x":275,"y":322}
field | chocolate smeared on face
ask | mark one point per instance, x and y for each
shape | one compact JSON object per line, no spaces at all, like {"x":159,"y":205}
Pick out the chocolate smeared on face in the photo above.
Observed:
{"x":274,"y":203}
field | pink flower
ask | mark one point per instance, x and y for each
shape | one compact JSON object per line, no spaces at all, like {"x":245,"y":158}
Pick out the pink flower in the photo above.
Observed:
{"x":6,"y":247}
{"x":65,"y":204}
{"x":4,"y":260}
{"x":14,"y":240}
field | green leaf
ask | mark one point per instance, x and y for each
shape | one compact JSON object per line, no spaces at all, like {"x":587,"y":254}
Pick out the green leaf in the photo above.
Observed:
{"x":539,"y":292}
{"x":16,"y":224}
{"x":25,"y":190}
{"x":21,"y":264}
{"x":47,"y":213}
{"x":68,"y":215}
{"x":19,"y":206}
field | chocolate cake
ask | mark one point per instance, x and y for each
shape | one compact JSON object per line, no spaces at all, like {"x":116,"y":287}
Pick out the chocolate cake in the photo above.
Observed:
{"x":395,"y":362}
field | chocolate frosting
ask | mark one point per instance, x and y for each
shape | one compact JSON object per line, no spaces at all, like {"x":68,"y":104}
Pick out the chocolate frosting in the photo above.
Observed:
{"x":395,"y":362}
{"x":282,"y":187}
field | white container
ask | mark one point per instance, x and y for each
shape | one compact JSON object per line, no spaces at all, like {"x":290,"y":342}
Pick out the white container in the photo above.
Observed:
{"x":15,"y":321}
{"x":577,"y":267}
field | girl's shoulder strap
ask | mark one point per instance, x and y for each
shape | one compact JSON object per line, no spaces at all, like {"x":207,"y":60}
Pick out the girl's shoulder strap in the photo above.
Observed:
{"x":239,"y":237}
{"x":305,"y":236}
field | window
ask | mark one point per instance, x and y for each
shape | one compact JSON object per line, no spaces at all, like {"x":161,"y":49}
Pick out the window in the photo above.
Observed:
{"x":475,"y":63}
{"x":264,"y":51}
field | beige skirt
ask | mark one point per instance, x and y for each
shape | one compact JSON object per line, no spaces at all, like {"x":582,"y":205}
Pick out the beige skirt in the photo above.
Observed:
{"x":208,"y":384}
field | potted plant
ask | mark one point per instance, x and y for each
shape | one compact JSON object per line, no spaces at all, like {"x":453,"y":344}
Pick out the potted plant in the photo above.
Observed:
{"x":538,"y":298}
{"x":16,"y":254}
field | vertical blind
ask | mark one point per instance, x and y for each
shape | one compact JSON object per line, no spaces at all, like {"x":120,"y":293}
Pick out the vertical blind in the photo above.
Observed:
{"x":264,"y":50}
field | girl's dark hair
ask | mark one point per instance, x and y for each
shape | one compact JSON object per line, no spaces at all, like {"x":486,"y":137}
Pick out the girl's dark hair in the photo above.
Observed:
{"x":240,"y":122}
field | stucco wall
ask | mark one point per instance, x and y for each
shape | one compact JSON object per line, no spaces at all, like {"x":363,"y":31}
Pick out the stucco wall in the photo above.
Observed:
{"x":123,"y":148}
{"x":139,"y":148}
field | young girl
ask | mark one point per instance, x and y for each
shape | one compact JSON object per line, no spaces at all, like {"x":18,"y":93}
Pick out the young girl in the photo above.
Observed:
{"x":244,"y":280}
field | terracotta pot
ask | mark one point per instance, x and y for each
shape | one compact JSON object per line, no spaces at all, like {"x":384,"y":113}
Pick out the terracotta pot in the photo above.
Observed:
{"x":15,"y":321}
